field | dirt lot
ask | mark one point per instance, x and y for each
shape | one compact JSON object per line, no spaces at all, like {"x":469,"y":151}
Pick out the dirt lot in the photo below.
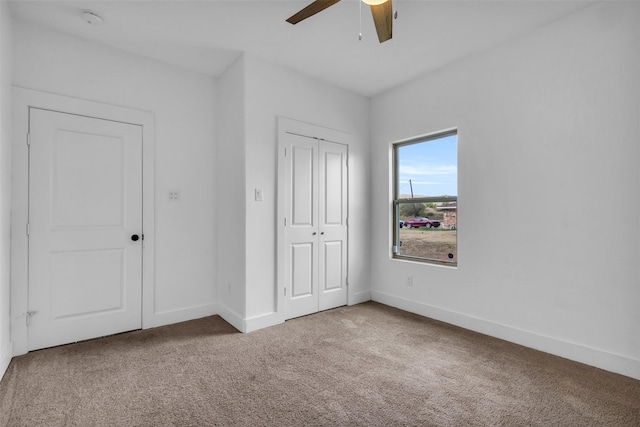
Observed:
{"x":429,"y":243}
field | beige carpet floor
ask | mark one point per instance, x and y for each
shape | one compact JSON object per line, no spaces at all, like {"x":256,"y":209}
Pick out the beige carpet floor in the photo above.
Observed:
{"x":365,"y":365}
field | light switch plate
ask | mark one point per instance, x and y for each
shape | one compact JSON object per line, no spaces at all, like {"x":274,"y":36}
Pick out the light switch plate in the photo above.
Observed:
{"x":258,"y":193}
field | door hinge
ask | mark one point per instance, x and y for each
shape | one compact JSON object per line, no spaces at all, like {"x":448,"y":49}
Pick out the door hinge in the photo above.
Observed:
{"x":285,"y":152}
{"x":28,"y":229}
{"x":28,"y":315}
{"x":285,"y":291}
{"x":285,"y":221}
{"x":28,"y":140}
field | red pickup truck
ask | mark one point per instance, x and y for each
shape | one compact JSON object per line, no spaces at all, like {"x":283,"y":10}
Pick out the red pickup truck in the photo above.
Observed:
{"x":421,"y":222}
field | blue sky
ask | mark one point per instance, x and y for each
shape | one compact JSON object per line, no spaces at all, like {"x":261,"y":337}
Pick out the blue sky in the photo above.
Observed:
{"x":431,"y":166}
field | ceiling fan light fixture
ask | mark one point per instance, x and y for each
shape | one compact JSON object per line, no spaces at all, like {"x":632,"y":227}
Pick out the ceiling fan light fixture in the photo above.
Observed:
{"x":381,"y":11}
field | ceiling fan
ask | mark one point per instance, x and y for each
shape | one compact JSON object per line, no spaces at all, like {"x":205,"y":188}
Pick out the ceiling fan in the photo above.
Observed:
{"x":382,"y":11}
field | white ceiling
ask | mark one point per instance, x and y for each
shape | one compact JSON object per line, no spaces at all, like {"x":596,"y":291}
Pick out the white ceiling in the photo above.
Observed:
{"x":208,"y":35}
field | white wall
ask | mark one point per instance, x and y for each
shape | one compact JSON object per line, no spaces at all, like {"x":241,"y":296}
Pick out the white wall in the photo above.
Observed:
{"x":549,"y":240}
{"x":183,"y":105}
{"x":273,"y":91}
{"x":230,"y":179}
{"x":6,"y":71}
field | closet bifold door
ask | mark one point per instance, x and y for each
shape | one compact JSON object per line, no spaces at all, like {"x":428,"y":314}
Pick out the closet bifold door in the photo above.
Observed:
{"x":316,"y":229}
{"x":332,"y":267}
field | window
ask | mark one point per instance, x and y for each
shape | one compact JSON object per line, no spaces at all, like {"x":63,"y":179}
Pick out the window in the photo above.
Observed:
{"x":425,"y":201}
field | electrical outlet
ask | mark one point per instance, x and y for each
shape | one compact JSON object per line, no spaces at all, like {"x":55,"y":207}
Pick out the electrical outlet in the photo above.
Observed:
{"x":410,"y":280}
{"x":174,"y":196}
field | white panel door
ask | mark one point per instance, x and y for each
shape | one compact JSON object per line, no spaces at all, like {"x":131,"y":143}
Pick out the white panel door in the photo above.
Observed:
{"x":301,"y":199}
{"x":85,"y":221}
{"x":332,"y":207}
{"x":315,"y":258}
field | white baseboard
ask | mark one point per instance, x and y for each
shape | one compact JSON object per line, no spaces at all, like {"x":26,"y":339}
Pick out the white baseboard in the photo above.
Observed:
{"x":181,"y":315}
{"x":5,"y":358}
{"x":580,"y":353}
{"x":263,"y":321}
{"x":359,"y":297}
{"x":231,"y":317}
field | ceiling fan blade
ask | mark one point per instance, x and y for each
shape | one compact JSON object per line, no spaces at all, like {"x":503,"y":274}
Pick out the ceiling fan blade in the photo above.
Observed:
{"x":383,"y":18}
{"x":312,"y":9}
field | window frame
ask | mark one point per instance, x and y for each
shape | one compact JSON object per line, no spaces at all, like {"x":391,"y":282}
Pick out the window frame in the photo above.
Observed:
{"x":397,"y":201}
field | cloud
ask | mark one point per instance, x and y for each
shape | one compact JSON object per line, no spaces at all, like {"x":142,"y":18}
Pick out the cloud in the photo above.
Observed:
{"x":425,"y":170}
{"x":413,"y":182}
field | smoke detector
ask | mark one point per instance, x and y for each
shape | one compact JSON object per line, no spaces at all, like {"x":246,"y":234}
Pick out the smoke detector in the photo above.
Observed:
{"x":91,"y":18}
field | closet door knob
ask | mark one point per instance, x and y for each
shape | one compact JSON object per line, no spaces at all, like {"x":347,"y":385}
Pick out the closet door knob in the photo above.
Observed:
{"x":135,"y":237}
{"x":314,"y":233}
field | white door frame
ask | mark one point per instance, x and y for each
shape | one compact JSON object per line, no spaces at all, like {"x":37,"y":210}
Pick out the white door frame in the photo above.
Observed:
{"x":285,"y":126}
{"x":23,"y":99}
